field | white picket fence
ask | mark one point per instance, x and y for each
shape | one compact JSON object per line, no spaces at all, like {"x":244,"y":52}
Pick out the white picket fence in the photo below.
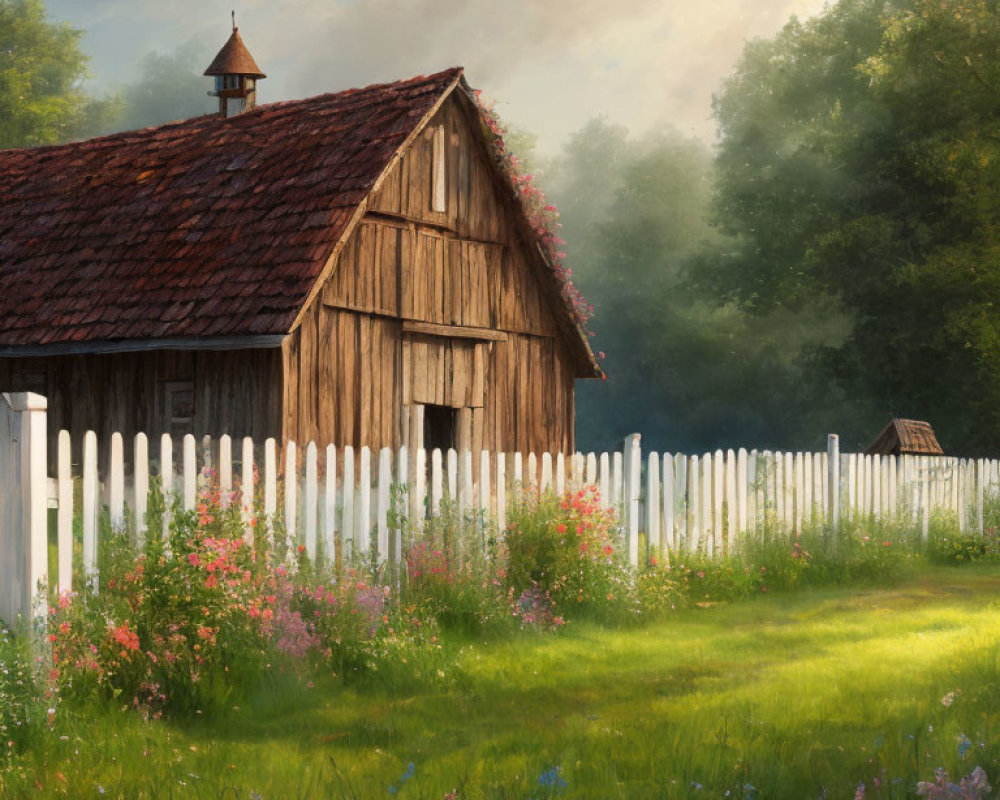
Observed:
{"x":333,"y":499}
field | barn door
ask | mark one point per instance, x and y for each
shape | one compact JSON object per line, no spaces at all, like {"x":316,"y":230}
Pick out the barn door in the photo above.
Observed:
{"x":445,"y":378}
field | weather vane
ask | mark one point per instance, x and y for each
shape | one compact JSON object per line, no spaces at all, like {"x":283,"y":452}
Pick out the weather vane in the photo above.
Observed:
{"x":234,"y":19}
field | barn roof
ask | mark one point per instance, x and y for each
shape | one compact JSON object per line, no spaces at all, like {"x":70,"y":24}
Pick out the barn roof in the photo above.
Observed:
{"x":906,"y":437}
{"x":208,"y":227}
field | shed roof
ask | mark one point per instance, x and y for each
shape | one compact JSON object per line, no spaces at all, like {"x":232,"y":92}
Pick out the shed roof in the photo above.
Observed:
{"x":906,"y":437}
{"x":208,"y":227}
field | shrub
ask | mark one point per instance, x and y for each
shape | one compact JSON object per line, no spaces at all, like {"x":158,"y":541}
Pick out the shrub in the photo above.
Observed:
{"x":22,"y":707}
{"x":946,"y":544}
{"x":455,"y":570}
{"x":563,"y":549}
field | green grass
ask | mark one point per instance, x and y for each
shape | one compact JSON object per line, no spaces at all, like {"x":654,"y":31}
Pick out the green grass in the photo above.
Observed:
{"x":799,"y":695}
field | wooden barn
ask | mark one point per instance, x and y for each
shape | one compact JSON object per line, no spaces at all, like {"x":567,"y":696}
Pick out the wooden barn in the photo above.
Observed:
{"x":353,"y":268}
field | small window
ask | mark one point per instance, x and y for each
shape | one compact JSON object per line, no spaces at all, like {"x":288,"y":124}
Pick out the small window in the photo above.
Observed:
{"x":439,"y":159}
{"x":232,"y":81}
{"x":179,"y":408}
{"x":439,"y":427}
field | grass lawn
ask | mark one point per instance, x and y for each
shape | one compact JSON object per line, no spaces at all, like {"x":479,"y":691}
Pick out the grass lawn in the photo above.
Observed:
{"x":785,"y":696}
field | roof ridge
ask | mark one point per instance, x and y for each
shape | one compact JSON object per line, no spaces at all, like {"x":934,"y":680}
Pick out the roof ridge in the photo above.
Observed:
{"x":436,"y":77}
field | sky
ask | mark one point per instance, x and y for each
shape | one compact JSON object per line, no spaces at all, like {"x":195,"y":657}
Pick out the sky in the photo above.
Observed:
{"x":549,"y":65}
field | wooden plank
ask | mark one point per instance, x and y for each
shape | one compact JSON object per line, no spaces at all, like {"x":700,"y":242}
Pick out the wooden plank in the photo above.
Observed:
{"x":465,"y":493}
{"x":560,"y":474}
{"x":681,"y":508}
{"x":454,"y":331}
{"x":64,"y":521}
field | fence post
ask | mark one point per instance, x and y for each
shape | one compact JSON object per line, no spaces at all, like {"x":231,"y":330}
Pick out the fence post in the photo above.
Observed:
{"x":833,"y":479}
{"x":24,"y":511}
{"x":632,"y":457}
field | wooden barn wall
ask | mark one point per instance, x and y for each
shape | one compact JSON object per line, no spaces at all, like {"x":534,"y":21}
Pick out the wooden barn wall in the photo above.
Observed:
{"x":236,"y":392}
{"x":406,"y":263}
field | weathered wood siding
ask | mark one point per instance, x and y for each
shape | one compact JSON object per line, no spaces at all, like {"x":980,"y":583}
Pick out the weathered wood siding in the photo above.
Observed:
{"x":236,"y":392}
{"x":352,"y":369}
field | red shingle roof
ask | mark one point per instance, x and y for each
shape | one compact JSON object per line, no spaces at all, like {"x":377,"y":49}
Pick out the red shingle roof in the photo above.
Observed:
{"x":207,"y":227}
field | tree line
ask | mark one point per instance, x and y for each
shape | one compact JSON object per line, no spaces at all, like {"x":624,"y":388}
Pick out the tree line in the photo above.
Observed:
{"x":832,"y":262}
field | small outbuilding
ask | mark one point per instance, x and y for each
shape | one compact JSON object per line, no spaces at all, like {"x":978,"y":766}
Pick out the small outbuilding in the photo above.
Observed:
{"x":906,"y":437}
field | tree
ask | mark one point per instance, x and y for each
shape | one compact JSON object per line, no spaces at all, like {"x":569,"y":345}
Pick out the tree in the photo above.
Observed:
{"x":689,"y":374}
{"x":41,"y":67}
{"x":860,"y":167}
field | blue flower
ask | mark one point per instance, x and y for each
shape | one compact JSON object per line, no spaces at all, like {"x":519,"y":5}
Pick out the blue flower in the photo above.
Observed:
{"x":963,"y":745}
{"x":551,"y":778}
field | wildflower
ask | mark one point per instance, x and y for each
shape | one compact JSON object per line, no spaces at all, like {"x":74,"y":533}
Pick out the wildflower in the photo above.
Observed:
{"x":860,"y":793}
{"x":552,"y":778}
{"x":948,"y":699}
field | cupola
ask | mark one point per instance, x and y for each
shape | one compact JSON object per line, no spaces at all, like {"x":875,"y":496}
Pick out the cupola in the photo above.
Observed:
{"x":236,"y":75}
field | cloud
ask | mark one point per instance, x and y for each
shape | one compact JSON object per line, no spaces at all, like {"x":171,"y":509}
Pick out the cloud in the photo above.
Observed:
{"x":550,"y":64}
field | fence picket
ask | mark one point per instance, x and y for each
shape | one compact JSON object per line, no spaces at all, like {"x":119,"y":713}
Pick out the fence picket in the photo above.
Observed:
{"x":347,"y":498}
{"x":291,"y":494}
{"x":452,"y":474}
{"x":680,"y":500}
{"x":591,"y":478}
{"x":330,"y":506}
{"x":270,"y":485}
{"x":363,"y":516}
{"x":604,"y":480}
{"x":140,"y":488}
{"x":190,"y":476}
{"x":382,"y":509}
{"x":732,"y":513}
{"x":501,"y":484}
{"x":546,"y":483}
{"x":741,"y":491}
{"x":437,"y":488}
{"x":560,"y":474}
{"x":484,"y":484}
{"x":708,"y":523}
{"x":694,"y":504}
{"x":311,"y":497}
{"x":718,"y":501}
{"x":668,"y":534}
{"x":167,"y":478}
{"x":653,"y":504}
{"x":116,"y":482}
{"x":225,"y":470}
{"x":64,"y":516}
{"x":396,"y":545}
{"x":247,"y":489}
{"x":90,"y":500}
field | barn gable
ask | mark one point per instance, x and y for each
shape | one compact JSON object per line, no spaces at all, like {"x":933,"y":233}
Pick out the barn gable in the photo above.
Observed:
{"x":441,"y":282}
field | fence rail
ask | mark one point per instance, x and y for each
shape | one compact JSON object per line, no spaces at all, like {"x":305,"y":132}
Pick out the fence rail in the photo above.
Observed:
{"x":335,"y":500}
